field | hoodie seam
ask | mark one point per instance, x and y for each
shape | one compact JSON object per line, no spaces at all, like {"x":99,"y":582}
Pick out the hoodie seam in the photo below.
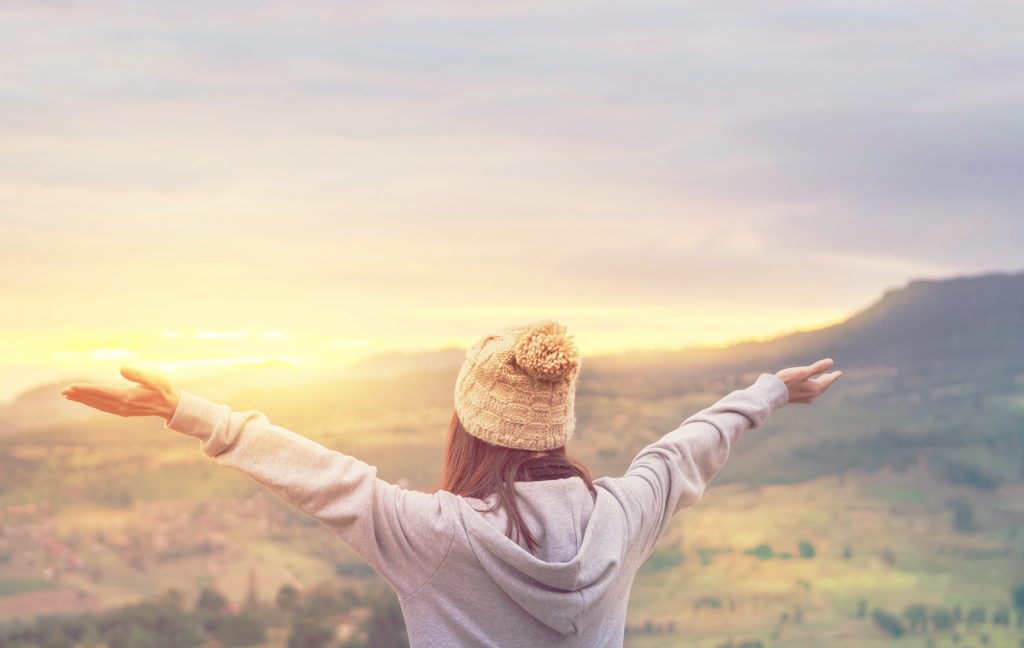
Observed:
{"x":462,"y":519}
{"x":575,"y":530}
{"x":444,"y":559}
{"x":579,"y":566}
{"x":583,"y":608}
{"x":576,"y":539}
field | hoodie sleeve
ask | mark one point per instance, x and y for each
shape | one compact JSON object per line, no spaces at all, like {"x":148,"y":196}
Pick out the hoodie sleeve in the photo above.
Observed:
{"x":673,"y":472}
{"x":402,"y":534}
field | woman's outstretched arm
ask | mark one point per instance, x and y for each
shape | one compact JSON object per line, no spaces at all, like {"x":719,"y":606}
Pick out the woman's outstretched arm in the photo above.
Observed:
{"x":674,"y":471}
{"x":403,"y":534}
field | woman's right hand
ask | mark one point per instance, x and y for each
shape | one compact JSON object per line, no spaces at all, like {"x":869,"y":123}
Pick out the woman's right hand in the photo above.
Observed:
{"x":802,"y":387}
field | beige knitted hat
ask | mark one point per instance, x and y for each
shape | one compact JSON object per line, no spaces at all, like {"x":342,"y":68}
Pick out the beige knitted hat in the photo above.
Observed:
{"x":517,"y":386}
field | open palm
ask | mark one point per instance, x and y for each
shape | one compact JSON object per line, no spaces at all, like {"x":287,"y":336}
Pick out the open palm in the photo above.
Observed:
{"x":152,"y":395}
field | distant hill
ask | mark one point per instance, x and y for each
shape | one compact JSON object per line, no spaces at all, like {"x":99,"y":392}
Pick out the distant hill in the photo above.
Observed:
{"x":42,"y":407}
{"x":937,"y":330}
{"x":965,"y":324}
{"x":386,"y":364}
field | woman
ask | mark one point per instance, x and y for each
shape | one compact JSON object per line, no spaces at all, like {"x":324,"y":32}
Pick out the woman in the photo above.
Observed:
{"x":519,"y":547}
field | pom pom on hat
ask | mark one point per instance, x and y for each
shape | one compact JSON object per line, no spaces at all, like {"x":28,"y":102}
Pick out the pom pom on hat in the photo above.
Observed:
{"x":546,"y":351}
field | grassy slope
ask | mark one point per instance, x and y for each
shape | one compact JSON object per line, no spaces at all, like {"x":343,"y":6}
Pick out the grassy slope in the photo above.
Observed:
{"x":871,"y":514}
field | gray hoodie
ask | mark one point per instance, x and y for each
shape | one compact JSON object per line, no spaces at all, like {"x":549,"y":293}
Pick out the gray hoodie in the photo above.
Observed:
{"x":460,"y":580}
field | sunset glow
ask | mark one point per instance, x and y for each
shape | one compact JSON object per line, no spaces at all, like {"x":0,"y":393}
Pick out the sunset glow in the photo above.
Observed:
{"x":48,"y":354}
{"x":314,"y":185}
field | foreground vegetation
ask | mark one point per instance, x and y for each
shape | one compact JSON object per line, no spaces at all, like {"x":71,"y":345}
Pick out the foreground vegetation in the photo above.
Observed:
{"x":325,"y":616}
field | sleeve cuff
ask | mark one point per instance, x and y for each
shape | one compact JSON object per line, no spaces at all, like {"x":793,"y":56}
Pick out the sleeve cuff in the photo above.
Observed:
{"x":195,"y":416}
{"x":774,"y":389}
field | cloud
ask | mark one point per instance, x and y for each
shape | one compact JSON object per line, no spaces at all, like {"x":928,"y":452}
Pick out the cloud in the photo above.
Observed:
{"x":304,"y":162}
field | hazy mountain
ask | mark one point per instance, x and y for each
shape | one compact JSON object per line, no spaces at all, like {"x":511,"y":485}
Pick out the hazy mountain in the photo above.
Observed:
{"x":955,"y":325}
{"x":938,"y":330}
{"x":385,"y":364}
{"x":43,"y":407}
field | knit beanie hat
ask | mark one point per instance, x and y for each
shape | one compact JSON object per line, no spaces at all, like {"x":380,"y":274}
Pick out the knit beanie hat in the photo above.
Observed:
{"x":517,"y":386}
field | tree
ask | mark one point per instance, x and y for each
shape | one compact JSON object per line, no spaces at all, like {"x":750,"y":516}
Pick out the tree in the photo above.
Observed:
{"x":324,"y":599}
{"x":666,"y":558}
{"x":308,"y":632}
{"x":942,"y":619}
{"x":708,"y":601}
{"x":887,"y":622}
{"x":975,"y":615}
{"x":917,"y":615}
{"x":762,"y":551}
{"x":971,"y":474}
{"x":287,"y":598}
{"x":806,"y":549}
{"x":210,"y":600}
{"x":252,"y":598}
{"x":172,"y":597}
{"x":149,"y":625}
{"x":1017,"y":592}
{"x":963,"y":515}
{"x":240,"y":630}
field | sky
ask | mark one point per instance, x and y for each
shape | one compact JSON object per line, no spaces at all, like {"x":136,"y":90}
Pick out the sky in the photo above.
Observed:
{"x":188,"y":184}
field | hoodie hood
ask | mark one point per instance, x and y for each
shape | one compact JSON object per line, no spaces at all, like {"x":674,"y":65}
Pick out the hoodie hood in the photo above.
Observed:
{"x":575,"y":562}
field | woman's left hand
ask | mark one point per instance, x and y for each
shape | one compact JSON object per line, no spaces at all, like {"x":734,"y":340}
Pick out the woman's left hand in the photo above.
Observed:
{"x":153,"y":395}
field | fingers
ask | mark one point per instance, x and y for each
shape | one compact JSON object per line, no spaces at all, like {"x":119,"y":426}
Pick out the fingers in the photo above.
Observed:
{"x":826,"y":381}
{"x":101,"y":397}
{"x":142,"y":377}
{"x":93,"y":389}
{"x":817,"y":367}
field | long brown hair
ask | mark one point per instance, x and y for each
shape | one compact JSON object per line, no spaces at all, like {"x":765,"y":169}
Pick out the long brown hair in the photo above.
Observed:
{"x":477,"y":469}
